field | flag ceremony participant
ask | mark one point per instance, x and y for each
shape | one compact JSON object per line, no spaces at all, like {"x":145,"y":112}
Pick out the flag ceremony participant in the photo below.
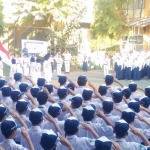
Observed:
{"x":67,"y":57}
{"x":38,"y":68}
{"x":59,"y":62}
{"x":47,"y":70}
{"x":13,"y":68}
{"x":26,"y":65}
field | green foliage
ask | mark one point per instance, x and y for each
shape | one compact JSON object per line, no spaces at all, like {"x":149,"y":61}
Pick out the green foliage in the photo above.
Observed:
{"x":108,"y":19}
{"x":2,"y":24}
{"x":60,"y":17}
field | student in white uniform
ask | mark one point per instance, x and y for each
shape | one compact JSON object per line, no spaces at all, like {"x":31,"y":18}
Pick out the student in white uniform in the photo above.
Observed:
{"x":126,"y":93}
{"x":1,"y":67}
{"x":71,"y":128}
{"x":33,"y":70}
{"x":109,"y":79}
{"x":117,"y":97}
{"x":6,"y":93}
{"x":18,"y":80}
{"x":19,"y":64}
{"x":103,"y":143}
{"x":62,"y":80}
{"x":9,"y":130}
{"x":121,"y":130}
{"x":88,"y":113}
{"x":47,"y":70}
{"x":107,"y":109}
{"x":147,"y":91}
{"x":106,"y":65}
{"x":133,"y":88}
{"x":87,"y":99}
{"x":76,"y":102}
{"x":103,"y":91}
{"x":13,"y":68}
{"x":26,"y":65}
{"x":3,"y":113}
{"x":42,"y":99}
{"x":2,"y":83}
{"x":41,"y":82}
{"x":15,"y":96}
{"x":67,"y":57}
{"x":54,"y":110}
{"x":22,"y":108}
{"x":145,"y":102}
{"x":38,"y":68}
{"x":34,"y":91}
{"x":49,"y":140}
{"x":82,"y":80}
{"x":35,"y":132}
{"x":59,"y":62}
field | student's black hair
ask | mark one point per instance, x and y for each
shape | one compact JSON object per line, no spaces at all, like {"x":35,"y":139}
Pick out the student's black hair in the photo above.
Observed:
{"x":118,"y":99}
{"x":102,"y":91}
{"x":109,"y":109}
{"x":42,"y":98}
{"x":81,"y":83}
{"x":2,"y":116}
{"x":62,"y":95}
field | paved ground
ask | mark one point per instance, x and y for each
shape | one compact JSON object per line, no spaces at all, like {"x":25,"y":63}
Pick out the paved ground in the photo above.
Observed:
{"x":97,"y":77}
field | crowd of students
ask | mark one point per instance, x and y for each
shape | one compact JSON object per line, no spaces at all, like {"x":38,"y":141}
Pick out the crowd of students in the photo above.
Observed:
{"x":132,"y":66}
{"x":42,"y":116}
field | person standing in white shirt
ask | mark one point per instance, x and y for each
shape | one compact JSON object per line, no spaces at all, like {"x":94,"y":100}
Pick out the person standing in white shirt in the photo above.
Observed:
{"x":26,"y":65}
{"x":59,"y":61}
{"x":67,"y":57}
{"x":19,"y":63}
{"x":106,"y":65}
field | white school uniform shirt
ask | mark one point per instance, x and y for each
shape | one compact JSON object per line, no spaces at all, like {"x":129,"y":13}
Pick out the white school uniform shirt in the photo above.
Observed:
{"x":78,"y":143}
{"x":78,"y":113}
{"x":49,"y":125}
{"x":9,"y":144}
{"x":130,"y":145}
{"x":26,"y":120}
{"x":43,"y":108}
{"x":13,"y":106}
{"x":100,"y":129}
{"x":67,"y":56}
{"x":35,"y":133}
{"x":112,"y":118}
{"x":97,"y":105}
{"x":144,"y":114}
{"x":120,"y":105}
{"x":7,"y":100}
{"x":135,"y":95}
{"x":100,"y":101}
{"x":16,"y":85}
{"x":79,"y":90}
{"x":97,"y":119}
{"x":108,"y":94}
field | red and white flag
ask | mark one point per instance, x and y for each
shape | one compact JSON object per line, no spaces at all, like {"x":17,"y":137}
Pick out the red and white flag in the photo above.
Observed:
{"x":5,"y":55}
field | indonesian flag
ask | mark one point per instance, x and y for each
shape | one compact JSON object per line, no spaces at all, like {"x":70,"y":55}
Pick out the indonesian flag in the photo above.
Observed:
{"x":5,"y":55}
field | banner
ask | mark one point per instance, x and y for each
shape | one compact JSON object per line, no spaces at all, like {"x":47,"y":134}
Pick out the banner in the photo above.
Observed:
{"x":33,"y":46}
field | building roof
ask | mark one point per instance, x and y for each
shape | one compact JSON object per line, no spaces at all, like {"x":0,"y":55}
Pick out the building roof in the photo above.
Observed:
{"x":143,"y":22}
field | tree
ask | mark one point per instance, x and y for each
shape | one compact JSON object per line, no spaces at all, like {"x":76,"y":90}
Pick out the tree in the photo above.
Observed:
{"x":2,"y":24}
{"x":108,"y":19}
{"x":61,"y":17}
